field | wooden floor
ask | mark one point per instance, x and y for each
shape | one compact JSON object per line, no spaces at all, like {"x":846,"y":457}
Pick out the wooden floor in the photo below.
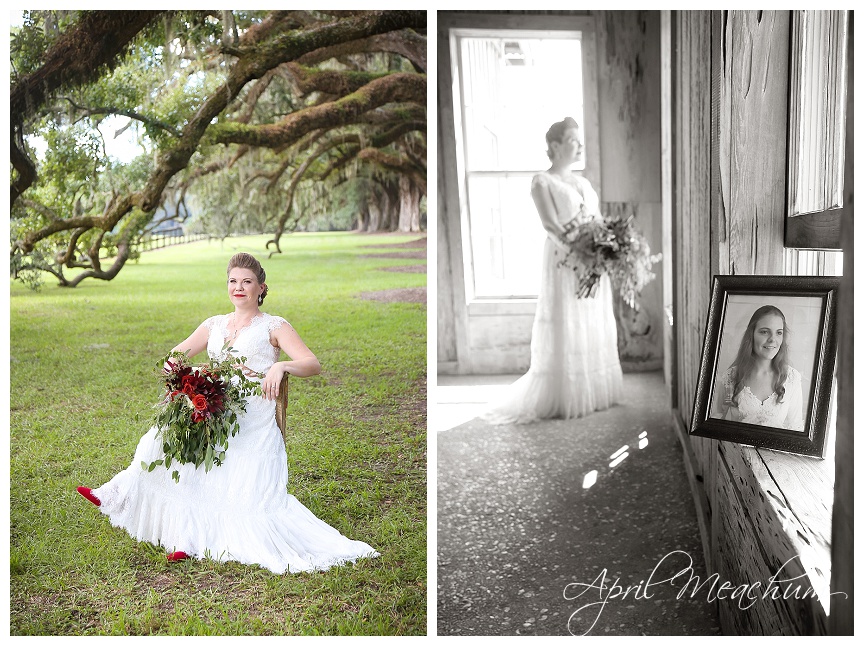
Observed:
{"x":531,"y":516}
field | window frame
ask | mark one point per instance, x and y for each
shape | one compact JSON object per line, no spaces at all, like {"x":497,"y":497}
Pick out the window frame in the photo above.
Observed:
{"x":817,"y":230}
{"x":450,"y":128}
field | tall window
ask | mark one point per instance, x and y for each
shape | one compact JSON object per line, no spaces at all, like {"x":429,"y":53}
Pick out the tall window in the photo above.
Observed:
{"x":819,"y":75}
{"x":817,"y":141}
{"x":817,"y":111}
{"x":509,"y":87}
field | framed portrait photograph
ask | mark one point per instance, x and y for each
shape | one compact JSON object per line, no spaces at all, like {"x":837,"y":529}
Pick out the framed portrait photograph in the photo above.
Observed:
{"x":768,"y":358}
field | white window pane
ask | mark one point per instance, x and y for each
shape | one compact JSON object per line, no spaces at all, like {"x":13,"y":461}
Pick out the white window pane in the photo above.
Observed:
{"x":511,"y":87}
{"x":506,"y":236}
{"x":508,"y":107}
{"x":818,"y":110}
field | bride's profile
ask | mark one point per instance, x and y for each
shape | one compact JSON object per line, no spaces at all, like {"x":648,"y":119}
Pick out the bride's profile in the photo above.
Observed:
{"x":240,"y":510}
{"x":574,"y":367}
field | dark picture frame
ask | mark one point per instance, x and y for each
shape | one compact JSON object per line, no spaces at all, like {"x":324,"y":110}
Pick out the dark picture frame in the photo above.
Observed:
{"x":809,"y":305}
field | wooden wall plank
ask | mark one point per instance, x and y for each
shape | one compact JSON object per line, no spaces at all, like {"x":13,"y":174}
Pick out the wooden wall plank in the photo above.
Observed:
{"x":742,"y":560}
{"x":693,"y":219}
{"x":451,"y":280}
{"x":446,"y":316}
{"x":843,"y":521}
{"x":669,"y":224}
{"x":798,"y":477}
{"x":782,"y":532}
{"x":754,"y":97}
{"x":695,"y":223}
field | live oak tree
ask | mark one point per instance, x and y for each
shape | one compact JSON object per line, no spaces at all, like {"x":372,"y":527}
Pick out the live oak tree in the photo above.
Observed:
{"x":253,"y":121}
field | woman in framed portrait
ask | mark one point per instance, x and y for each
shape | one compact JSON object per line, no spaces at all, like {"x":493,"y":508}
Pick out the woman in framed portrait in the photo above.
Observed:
{"x":760,"y":386}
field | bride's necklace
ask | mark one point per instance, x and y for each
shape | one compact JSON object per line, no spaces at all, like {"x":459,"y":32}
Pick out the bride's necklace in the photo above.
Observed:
{"x":237,"y":329}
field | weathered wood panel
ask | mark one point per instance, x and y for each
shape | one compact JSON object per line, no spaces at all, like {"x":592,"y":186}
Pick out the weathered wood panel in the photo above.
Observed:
{"x":667,"y":154}
{"x":628,"y":63}
{"x":693,"y":241}
{"x":791,"y":536}
{"x":843,"y":521}
{"x":694,"y":207}
{"x":742,"y":559}
{"x":494,"y":334}
{"x":739,"y":560}
{"x":628,"y":46}
{"x":798,"y":478}
{"x":753,"y":123}
{"x":451,"y":278}
{"x":445,"y":314}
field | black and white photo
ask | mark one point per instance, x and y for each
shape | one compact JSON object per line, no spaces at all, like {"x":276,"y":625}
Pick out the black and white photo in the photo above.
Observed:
{"x":768,"y":362}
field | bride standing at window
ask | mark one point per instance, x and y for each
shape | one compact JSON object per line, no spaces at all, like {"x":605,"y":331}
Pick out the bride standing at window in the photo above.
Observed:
{"x":574,"y":342}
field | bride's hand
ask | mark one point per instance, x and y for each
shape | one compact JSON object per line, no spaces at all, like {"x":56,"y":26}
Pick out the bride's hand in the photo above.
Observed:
{"x":248,"y":371}
{"x":570,"y":230}
{"x":272,"y":380}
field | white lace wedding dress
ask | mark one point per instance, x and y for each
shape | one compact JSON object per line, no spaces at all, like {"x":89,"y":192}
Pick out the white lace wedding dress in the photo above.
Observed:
{"x":574,"y":366}
{"x":241,"y":510}
{"x":786,"y":413}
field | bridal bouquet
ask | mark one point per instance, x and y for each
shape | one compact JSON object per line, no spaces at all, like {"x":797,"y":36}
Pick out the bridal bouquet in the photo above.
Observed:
{"x":198,"y":412}
{"x":612,"y":246}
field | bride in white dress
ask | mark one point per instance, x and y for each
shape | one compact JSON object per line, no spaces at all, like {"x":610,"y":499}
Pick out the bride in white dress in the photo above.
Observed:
{"x":574,"y":366}
{"x":240,"y":510}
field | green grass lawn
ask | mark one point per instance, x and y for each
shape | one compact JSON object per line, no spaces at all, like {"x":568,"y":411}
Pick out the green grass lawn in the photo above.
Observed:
{"x":83,"y":385}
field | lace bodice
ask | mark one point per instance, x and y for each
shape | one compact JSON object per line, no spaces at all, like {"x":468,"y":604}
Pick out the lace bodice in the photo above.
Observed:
{"x":252,"y":342}
{"x":573,"y":197}
{"x":770,"y":412}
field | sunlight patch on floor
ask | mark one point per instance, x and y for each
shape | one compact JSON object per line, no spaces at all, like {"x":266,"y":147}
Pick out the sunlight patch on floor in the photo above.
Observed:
{"x":618,"y":460}
{"x":461,"y":398}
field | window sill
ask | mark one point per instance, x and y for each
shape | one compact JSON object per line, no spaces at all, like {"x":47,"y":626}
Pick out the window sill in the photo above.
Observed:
{"x":790,"y":499}
{"x":503,"y":307}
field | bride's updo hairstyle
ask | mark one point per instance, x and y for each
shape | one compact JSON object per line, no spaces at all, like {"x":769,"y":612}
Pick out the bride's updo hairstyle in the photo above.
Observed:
{"x":244,"y":260}
{"x":556,"y":133}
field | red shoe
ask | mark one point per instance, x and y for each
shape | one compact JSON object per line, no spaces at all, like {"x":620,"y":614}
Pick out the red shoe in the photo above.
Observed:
{"x":88,"y":494}
{"x":177,"y":556}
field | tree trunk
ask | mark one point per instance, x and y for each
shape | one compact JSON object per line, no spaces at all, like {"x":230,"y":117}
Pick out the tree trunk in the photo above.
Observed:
{"x":363,"y":219}
{"x":390,"y":208}
{"x":409,"y":205}
{"x":415,"y":207}
{"x":374,"y":214}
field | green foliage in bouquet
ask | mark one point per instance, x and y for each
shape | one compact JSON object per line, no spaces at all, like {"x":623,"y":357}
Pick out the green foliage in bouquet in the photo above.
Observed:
{"x":612,"y":246}
{"x":199,"y":410}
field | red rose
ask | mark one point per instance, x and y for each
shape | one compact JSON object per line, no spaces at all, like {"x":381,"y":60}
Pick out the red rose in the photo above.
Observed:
{"x":189,"y":389}
{"x":199,"y":402}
